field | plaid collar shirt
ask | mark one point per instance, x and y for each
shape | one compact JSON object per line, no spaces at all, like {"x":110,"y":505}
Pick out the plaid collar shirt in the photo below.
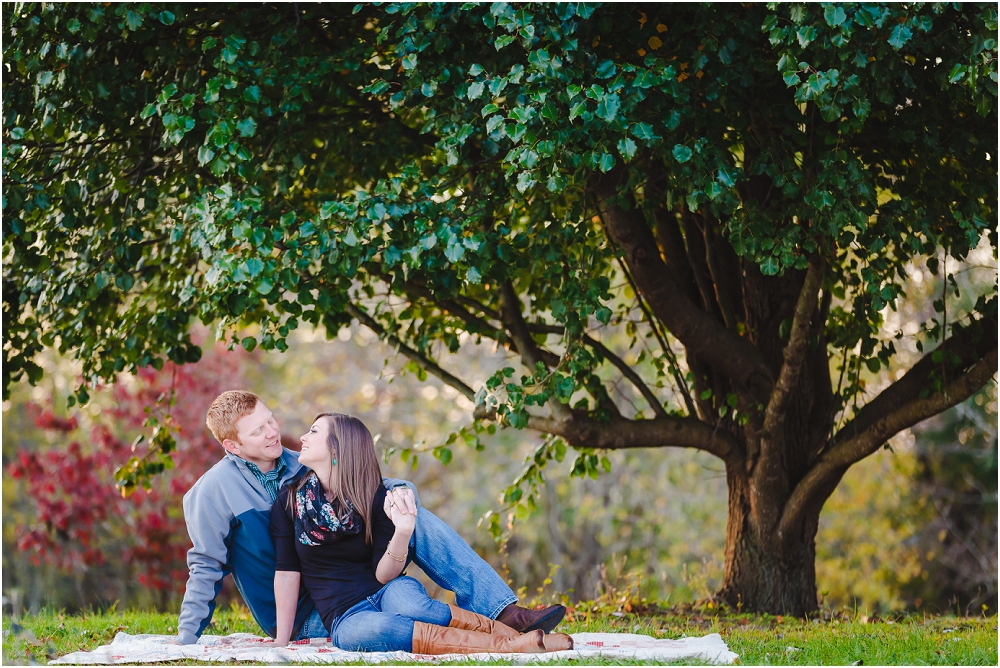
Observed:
{"x":270,"y":480}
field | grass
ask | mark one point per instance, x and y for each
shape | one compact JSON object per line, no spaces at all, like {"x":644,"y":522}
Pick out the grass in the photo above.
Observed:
{"x":837,"y":639}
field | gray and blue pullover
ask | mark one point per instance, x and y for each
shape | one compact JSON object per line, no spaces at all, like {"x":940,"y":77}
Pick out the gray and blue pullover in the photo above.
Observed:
{"x":227,"y":514}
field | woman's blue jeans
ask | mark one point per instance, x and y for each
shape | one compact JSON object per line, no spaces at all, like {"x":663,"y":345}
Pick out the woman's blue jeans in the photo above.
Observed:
{"x":383,"y":622}
{"x":449,"y":562}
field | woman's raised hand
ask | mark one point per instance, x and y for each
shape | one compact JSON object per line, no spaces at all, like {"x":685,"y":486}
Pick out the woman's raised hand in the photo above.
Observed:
{"x":401,"y":508}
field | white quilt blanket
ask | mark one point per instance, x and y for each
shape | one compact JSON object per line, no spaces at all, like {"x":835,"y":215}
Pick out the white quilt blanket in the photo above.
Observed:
{"x":146,"y":649}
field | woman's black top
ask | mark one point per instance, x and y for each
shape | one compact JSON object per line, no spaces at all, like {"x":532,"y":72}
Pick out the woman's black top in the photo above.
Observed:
{"x":337,"y":575}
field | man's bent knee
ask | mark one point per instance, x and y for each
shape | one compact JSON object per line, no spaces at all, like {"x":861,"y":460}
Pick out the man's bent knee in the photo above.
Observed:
{"x":399,"y":482}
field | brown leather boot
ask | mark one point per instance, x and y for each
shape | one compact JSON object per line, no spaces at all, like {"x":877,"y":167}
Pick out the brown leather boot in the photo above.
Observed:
{"x":523,"y":620}
{"x":557,"y":642}
{"x":470,"y":621}
{"x":434,"y":639}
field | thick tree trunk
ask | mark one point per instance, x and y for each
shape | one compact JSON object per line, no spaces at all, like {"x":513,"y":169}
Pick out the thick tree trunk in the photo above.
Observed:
{"x":759,"y":575}
{"x":760,"y":339}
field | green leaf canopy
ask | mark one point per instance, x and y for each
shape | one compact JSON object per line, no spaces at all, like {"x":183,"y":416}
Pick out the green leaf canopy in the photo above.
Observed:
{"x":170,"y":162}
{"x":757,"y":180}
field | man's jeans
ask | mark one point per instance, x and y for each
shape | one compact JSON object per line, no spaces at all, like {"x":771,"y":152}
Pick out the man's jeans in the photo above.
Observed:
{"x":449,"y":562}
{"x":383,"y":622}
{"x":313,"y":627}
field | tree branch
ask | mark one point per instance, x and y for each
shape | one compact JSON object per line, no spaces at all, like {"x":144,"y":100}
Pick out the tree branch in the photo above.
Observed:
{"x":421,"y":360}
{"x":620,"y":433}
{"x":457,"y":308}
{"x":531,"y":354}
{"x":700,"y":333}
{"x":629,"y":373}
{"x":696,"y":242}
{"x":969,"y":344}
{"x":664,"y":345}
{"x":834,"y":462}
{"x":513,"y":320}
{"x":476,"y":324}
{"x":616,"y":361}
{"x":472,"y":303}
{"x":55,"y":147}
{"x":548,"y":358}
{"x":795,"y":351}
{"x":667,"y":232}
{"x":722,"y":273}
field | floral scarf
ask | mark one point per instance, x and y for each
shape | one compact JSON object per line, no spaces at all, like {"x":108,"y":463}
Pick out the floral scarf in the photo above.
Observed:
{"x":316,"y":520}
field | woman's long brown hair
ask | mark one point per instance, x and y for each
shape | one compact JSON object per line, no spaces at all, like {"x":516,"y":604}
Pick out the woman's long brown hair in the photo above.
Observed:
{"x":357,"y":474}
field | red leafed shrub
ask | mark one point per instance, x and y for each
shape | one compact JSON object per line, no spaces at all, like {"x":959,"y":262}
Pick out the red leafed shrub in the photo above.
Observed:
{"x":81,"y":521}
{"x":46,"y":419}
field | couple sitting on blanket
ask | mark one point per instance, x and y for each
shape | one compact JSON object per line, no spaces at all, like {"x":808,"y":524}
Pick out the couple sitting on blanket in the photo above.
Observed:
{"x":333,"y":537}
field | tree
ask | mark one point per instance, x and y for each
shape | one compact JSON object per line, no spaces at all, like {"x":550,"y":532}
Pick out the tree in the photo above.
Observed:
{"x":753,"y":182}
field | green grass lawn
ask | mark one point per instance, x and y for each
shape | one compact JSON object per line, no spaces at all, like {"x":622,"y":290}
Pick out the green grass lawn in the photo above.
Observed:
{"x":845,"y":639}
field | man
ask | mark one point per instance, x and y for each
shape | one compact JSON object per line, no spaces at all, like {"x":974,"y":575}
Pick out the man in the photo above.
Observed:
{"x":227,"y":512}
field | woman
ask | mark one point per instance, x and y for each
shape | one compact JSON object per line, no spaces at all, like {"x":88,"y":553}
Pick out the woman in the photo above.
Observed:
{"x":336,"y":532}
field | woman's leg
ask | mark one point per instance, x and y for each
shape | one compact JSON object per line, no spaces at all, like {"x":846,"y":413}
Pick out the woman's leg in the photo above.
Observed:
{"x":433,"y":639}
{"x":371,"y":631}
{"x":406,"y":596}
{"x":434,"y":632}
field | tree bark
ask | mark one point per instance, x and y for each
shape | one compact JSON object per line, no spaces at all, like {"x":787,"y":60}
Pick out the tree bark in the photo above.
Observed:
{"x":757,"y":576}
